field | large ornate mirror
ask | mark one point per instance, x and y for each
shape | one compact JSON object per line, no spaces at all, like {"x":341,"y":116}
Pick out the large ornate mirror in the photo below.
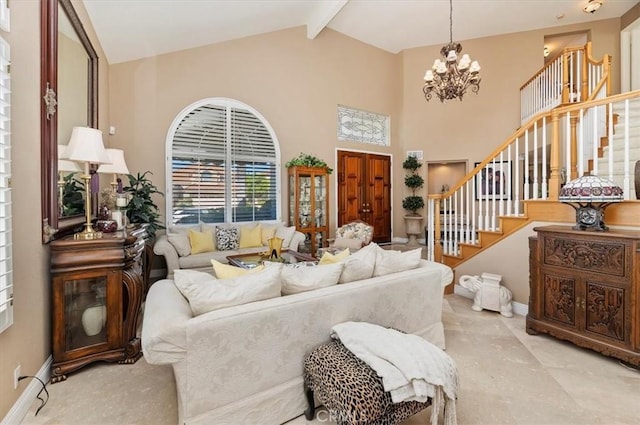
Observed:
{"x":69,"y":87}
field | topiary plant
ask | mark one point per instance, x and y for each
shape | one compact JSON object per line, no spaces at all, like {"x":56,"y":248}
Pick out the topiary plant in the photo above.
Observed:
{"x":413,"y":181}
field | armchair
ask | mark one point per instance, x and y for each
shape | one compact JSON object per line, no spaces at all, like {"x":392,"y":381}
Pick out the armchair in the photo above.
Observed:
{"x":353,"y":235}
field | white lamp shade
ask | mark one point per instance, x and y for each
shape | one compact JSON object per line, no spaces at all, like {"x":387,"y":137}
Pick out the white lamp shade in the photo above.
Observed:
{"x":117,"y":166}
{"x":65,"y":165}
{"x":86,"y":145}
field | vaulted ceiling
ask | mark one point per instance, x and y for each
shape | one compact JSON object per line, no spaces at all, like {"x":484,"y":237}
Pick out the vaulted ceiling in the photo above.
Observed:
{"x":132,"y":29}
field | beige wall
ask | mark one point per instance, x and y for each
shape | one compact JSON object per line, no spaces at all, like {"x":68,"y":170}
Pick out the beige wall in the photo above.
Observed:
{"x":27,"y":342}
{"x":294,"y":82}
{"x":471,"y":129}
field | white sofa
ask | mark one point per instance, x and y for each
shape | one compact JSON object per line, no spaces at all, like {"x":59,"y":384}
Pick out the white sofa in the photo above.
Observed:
{"x":202,"y":261}
{"x":243,"y":364}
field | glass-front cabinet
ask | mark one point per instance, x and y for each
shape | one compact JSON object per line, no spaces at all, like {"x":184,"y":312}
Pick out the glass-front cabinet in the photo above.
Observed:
{"x":97,"y":289}
{"x":309,"y":205}
{"x":85,"y":312}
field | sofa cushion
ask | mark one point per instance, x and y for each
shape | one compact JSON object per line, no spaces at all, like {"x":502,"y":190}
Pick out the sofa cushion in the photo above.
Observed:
{"x":180,"y":242}
{"x":302,"y":279}
{"x":225,"y":271}
{"x":226,"y":238}
{"x":250,"y":236}
{"x":206,"y":293}
{"x":360,"y":264}
{"x":268,"y":231}
{"x":286,"y":233}
{"x":389,"y":261}
{"x":201,"y":241}
{"x":178,"y":236}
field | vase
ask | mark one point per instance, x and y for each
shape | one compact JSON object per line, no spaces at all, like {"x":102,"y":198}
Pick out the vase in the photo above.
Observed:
{"x":94,"y":319}
{"x":275,"y":247}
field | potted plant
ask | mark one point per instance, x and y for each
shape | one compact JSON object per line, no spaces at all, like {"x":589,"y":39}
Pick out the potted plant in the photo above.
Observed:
{"x":413,"y":202}
{"x":306,"y":160}
{"x":72,"y":199}
{"x":141,"y":209}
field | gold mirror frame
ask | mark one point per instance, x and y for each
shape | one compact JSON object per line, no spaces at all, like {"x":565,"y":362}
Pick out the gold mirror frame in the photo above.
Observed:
{"x":54,"y":226}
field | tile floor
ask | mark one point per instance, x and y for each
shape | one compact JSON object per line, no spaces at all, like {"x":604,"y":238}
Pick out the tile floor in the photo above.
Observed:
{"x":507,"y":378}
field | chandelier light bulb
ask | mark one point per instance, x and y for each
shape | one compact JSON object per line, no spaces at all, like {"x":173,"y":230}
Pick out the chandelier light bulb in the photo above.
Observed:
{"x":436,"y":64}
{"x":475,"y":67}
{"x":428,"y":76}
{"x":452,"y":57}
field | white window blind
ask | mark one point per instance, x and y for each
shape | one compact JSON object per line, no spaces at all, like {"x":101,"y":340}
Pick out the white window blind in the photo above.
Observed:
{"x":6,"y":267}
{"x":224,"y":162}
{"x":5,"y":15}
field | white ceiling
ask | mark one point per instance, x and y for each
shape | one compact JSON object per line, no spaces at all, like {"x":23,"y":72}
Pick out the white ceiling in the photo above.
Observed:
{"x":133,"y":29}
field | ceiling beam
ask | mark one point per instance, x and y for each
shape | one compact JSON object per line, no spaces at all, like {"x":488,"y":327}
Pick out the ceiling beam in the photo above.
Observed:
{"x":324,"y":13}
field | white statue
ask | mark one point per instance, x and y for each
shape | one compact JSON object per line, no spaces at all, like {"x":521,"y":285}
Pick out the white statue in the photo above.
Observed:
{"x":489,"y":294}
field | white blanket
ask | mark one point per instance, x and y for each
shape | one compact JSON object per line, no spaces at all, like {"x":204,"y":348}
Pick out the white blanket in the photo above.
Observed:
{"x":411,"y":368}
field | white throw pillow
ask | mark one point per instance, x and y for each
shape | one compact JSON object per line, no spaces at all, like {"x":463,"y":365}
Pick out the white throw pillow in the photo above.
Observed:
{"x":360,"y":264}
{"x":302,"y":279}
{"x":206,"y":293}
{"x":388,"y":261}
{"x":178,"y":236}
{"x":286,"y":233}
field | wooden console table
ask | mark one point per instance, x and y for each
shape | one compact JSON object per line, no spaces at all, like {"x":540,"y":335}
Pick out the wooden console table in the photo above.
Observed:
{"x":585,"y":288}
{"x":97,"y":290}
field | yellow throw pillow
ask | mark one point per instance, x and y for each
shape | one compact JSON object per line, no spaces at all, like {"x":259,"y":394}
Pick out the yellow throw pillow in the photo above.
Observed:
{"x":267,"y":233}
{"x":329,"y":258}
{"x":250,"y":236}
{"x":226,"y":271}
{"x":201,"y":242}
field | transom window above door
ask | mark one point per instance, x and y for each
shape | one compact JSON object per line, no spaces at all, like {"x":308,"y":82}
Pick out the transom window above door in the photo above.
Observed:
{"x":223,"y":165}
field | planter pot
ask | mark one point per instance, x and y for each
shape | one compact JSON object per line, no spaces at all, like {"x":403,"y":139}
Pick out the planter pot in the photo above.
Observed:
{"x":413,"y":228}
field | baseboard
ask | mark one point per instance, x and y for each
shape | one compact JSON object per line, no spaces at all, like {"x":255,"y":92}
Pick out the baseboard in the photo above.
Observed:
{"x":21,"y":407}
{"x":405,"y":240}
{"x":518,"y":308}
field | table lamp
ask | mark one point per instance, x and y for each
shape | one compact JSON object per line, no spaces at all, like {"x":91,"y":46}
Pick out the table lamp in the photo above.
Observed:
{"x":64,"y":166}
{"x":86,"y":146}
{"x":589,"y":196}
{"x":117,"y":166}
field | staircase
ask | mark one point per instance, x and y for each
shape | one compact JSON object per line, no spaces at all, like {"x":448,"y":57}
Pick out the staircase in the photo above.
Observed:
{"x":613,"y":159}
{"x":520,"y":181}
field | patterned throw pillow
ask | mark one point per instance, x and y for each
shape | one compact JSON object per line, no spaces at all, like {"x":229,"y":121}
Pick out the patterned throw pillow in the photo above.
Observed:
{"x":226,"y":238}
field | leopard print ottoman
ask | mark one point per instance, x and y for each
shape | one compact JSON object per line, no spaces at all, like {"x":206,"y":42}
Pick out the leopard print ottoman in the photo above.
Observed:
{"x":350,"y":390}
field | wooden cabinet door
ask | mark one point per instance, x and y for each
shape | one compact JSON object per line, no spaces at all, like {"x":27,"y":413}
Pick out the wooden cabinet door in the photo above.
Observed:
{"x":364,"y":191}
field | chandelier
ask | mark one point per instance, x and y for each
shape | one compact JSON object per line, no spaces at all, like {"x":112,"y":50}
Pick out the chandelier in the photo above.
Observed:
{"x":449,"y":78}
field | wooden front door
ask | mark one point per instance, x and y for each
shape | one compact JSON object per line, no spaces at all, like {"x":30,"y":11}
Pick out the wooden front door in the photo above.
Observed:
{"x":364,"y":191}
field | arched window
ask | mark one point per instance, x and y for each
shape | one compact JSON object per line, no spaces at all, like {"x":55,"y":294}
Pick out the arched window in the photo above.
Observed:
{"x":223,"y":165}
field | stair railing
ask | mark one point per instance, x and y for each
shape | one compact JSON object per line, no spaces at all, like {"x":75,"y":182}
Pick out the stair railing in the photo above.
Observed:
{"x":531,"y":165}
{"x":570,"y":77}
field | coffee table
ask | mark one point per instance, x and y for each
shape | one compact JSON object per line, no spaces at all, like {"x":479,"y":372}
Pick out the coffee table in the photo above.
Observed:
{"x":249,"y":261}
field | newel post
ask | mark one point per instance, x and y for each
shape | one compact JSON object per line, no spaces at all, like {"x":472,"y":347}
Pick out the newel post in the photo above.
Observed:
{"x":437,"y":249}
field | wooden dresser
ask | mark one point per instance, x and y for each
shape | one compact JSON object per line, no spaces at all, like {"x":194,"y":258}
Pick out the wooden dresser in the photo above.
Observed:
{"x":584,"y":288}
{"x":97,"y":291}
